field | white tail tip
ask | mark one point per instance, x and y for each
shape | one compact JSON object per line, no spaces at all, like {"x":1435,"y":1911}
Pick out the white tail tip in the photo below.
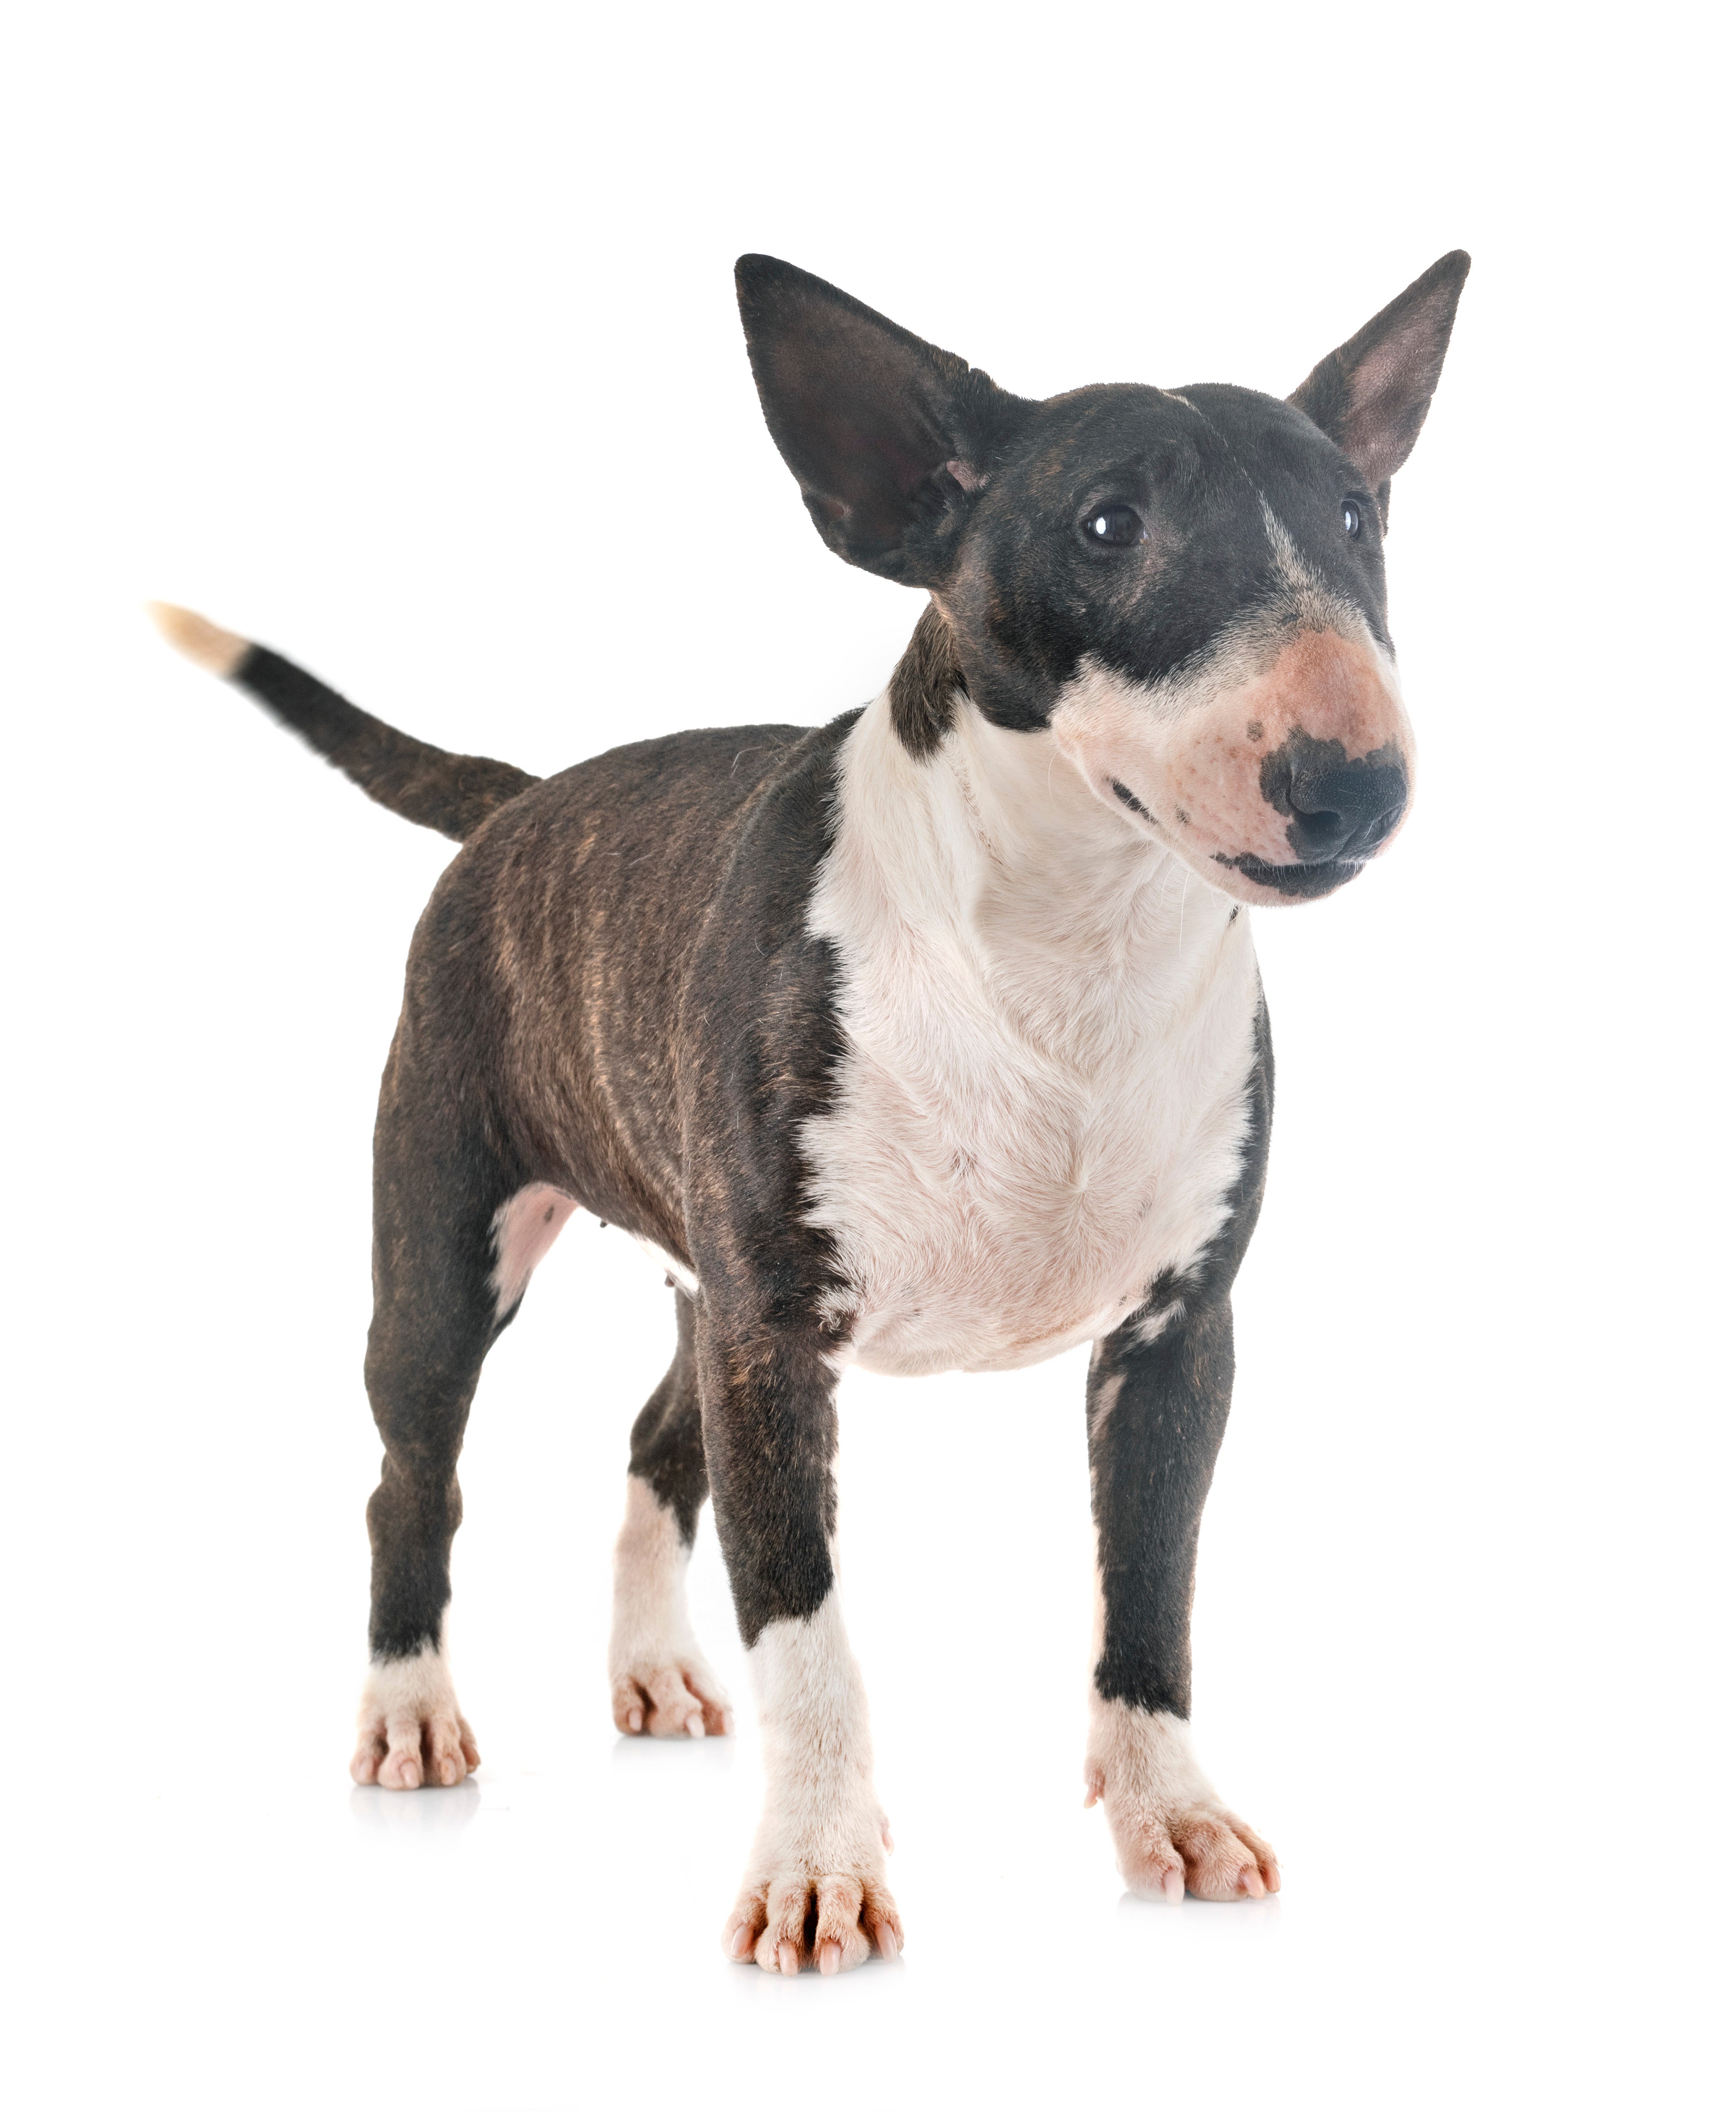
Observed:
{"x":218,"y":652}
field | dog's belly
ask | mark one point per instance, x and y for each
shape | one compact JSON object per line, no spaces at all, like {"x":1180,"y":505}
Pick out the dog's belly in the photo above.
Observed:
{"x":987,"y":1244}
{"x":994,"y":1316}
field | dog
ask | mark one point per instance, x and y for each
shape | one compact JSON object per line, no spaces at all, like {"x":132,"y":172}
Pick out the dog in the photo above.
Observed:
{"x":929,"y":1040}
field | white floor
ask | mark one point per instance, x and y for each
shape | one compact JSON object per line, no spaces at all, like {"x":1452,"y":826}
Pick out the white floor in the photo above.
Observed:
{"x":204,"y":1912}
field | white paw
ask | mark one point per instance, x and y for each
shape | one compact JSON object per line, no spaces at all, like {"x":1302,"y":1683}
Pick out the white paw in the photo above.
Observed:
{"x":680,"y":1699}
{"x":830,"y":1919}
{"x":409,"y":1732}
{"x":1173,"y":1834}
{"x":816,"y":1891}
{"x":660,"y":1685}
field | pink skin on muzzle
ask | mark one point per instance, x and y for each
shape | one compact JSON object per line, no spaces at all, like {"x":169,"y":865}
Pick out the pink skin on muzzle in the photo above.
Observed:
{"x":1193,"y":762}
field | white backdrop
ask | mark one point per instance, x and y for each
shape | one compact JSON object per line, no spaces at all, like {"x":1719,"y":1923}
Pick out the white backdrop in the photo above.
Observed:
{"x":403,"y":339}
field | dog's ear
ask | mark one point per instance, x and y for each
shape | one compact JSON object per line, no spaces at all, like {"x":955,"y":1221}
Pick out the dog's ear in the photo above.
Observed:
{"x":1373,"y":393}
{"x":889,"y":437}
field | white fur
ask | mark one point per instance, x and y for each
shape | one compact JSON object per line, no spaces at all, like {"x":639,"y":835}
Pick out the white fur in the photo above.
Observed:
{"x":1172,"y":1832}
{"x":677,"y":1272}
{"x":1106,"y":1395}
{"x":217,"y":652}
{"x":409,"y":1729}
{"x":659,"y":1681}
{"x":1153,"y":1325}
{"x":822,"y":1834}
{"x":1050,"y":1029}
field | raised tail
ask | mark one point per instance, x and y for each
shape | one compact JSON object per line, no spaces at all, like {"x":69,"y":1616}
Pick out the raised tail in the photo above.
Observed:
{"x":454,"y":794}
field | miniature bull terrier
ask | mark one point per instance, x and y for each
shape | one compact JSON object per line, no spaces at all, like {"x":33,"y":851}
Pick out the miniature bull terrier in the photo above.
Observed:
{"x":929,"y":1040}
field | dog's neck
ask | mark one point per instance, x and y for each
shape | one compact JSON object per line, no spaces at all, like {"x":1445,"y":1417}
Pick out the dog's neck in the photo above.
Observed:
{"x":989,"y":858}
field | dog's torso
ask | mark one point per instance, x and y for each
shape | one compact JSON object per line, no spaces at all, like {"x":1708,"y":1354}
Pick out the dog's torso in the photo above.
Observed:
{"x":1010,"y":1098}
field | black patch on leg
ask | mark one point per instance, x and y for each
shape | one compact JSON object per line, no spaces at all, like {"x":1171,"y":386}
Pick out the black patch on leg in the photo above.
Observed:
{"x":1152,"y":1466}
{"x":436,"y":1191}
{"x":668,"y":1443}
{"x":1154,"y":1439}
{"x":771,"y":1435}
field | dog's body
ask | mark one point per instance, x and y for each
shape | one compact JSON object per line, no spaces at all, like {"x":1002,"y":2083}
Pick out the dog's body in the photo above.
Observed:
{"x":929,"y":1040}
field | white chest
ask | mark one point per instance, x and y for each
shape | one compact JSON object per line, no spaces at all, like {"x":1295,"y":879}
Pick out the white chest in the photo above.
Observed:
{"x":1042,"y":1103}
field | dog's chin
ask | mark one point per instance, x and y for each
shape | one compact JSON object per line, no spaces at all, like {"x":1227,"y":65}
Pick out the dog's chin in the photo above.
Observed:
{"x":1243,"y":877}
{"x":1277,"y":886}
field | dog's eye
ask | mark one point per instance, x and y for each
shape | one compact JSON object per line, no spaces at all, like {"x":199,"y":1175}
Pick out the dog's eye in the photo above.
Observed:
{"x":1114,"y":527}
{"x":1352,"y":518}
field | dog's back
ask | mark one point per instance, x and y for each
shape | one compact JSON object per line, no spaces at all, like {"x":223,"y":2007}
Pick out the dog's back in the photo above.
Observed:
{"x":545,"y":992}
{"x":555,"y":955}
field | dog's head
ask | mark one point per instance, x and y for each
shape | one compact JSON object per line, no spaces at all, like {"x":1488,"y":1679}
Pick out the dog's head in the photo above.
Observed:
{"x":1184,"y":587}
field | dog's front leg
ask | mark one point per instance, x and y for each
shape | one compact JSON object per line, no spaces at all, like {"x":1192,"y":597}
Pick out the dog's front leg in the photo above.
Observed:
{"x":815,"y":1890}
{"x":1158,"y":1398}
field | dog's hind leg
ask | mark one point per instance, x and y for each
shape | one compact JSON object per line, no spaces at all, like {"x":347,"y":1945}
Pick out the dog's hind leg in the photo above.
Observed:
{"x":659,"y":1681}
{"x":456,"y":1231}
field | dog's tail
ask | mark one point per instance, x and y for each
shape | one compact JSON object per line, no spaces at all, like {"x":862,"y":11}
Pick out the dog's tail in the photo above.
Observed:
{"x":454,"y":794}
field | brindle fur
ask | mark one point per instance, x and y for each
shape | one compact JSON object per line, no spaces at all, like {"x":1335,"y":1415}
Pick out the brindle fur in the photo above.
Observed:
{"x":454,"y":794}
{"x":554,"y":1029}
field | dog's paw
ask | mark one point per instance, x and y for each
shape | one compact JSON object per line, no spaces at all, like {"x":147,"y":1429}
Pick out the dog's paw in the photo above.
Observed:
{"x":660,"y":1685}
{"x":1172,"y":1833}
{"x":815,"y":1893}
{"x":409,"y":1732}
{"x":832,"y":1920}
{"x":680,"y":1699}
{"x":1163,"y":1853}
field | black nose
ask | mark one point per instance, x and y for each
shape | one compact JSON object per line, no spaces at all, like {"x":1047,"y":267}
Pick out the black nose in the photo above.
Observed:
{"x":1337,"y":808}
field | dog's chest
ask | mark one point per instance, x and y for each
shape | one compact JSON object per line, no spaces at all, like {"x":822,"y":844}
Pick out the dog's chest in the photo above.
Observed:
{"x":1042,"y":1102}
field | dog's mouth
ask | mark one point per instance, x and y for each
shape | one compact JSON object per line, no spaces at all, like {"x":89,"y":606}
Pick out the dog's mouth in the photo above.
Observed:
{"x":1299,"y":882}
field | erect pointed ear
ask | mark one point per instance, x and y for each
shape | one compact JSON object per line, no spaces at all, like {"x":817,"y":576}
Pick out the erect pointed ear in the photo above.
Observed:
{"x":889,"y":437}
{"x":1373,"y":393}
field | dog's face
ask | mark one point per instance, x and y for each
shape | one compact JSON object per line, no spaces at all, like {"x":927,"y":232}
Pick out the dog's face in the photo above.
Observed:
{"x":1185,"y":588}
